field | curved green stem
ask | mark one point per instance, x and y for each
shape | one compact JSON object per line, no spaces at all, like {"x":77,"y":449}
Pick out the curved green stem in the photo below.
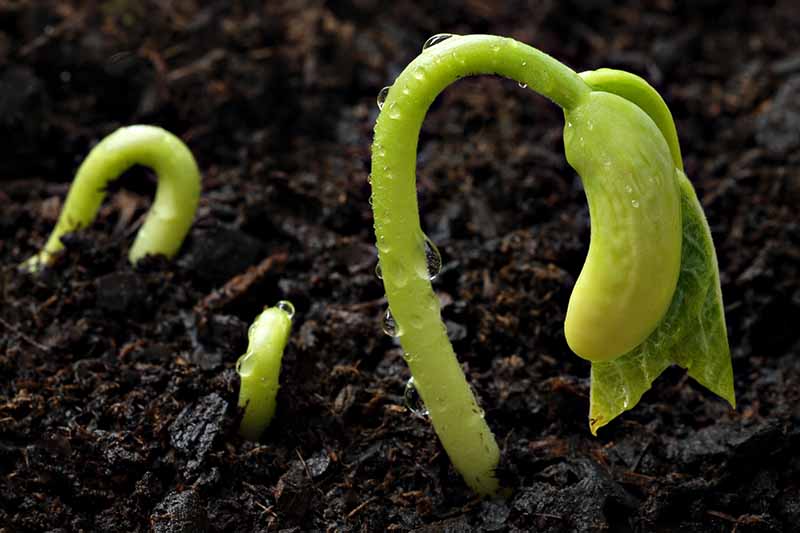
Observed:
{"x":177,"y":193}
{"x":454,"y":413}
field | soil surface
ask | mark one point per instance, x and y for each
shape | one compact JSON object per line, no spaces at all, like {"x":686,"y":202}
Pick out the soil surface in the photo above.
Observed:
{"x":117,"y":384}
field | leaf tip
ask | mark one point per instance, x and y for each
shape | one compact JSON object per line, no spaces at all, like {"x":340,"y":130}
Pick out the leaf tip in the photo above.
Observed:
{"x":596,"y":423}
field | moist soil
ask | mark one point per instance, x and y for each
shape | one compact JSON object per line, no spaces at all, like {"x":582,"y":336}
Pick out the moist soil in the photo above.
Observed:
{"x":117,"y":384}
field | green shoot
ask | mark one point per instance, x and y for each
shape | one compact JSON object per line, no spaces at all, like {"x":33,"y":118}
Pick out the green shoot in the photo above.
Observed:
{"x":260,"y":368}
{"x":175,"y":204}
{"x":621,"y":139}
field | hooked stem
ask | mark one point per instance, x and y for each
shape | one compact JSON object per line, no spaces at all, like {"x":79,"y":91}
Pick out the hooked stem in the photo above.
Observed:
{"x":440,"y":381}
{"x":177,"y":193}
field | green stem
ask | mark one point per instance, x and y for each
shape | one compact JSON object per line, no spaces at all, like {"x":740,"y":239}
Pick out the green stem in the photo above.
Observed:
{"x":260,"y":368}
{"x":177,"y":193}
{"x":454,"y":413}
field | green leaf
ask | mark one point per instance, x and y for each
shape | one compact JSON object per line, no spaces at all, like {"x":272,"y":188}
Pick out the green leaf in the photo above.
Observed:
{"x":692,"y":334}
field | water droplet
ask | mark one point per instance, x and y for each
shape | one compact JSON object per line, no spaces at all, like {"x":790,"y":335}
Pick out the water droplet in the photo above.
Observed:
{"x":524,"y":63}
{"x":433,"y":259}
{"x":523,"y":85}
{"x":413,"y":400}
{"x":635,"y":203}
{"x":400,"y":279}
{"x":382,"y":96}
{"x":409,"y":357}
{"x":287,"y":307}
{"x":244,"y":365}
{"x":378,"y":271}
{"x":390,"y":327}
{"x":629,"y":189}
{"x":419,"y":73}
{"x":436,"y":39}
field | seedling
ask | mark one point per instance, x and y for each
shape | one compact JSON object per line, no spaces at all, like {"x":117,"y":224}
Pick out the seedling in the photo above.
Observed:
{"x":260,"y":368}
{"x":648,"y":295}
{"x":177,"y":193}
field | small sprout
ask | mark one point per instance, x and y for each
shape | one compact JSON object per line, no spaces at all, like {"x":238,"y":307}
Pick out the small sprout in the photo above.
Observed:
{"x":260,"y":368}
{"x":648,"y":295}
{"x":175,"y":204}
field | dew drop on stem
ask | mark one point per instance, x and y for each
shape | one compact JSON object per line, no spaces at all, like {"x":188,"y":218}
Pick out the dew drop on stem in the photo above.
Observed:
{"x":378,"y":271}
{"x":390,"y":326}
{"x":413,"y":401}
{"x":287,"y":307}
{"x":436,"y":39}
{"x":433,"y":259}
{"x":244,"y":365}
{"x":409,"y":357}
{"x":382,"y":96}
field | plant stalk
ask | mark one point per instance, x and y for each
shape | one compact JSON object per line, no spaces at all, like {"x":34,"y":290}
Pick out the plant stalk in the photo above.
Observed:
{"x":440,"y":381}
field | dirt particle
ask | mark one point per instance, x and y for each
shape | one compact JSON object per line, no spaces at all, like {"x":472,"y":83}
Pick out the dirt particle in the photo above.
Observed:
{"x":180,"y":512}
{"x":194,"y":430}
{"x":778,"y":129}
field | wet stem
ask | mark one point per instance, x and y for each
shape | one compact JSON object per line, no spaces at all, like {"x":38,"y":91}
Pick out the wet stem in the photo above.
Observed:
{"x":408,"y":260}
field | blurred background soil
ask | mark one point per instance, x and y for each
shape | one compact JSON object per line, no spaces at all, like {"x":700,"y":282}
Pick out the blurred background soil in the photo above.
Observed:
{"x":117,"y":384}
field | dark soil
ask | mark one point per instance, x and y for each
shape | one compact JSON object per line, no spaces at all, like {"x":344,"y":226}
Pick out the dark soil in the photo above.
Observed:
{"x":117,"y":384}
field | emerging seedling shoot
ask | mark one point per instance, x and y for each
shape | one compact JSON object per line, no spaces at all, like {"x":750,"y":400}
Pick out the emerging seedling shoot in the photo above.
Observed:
{"x":648,"y":295}
{"x":175,"y":204}
{"x":260,"y":368}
